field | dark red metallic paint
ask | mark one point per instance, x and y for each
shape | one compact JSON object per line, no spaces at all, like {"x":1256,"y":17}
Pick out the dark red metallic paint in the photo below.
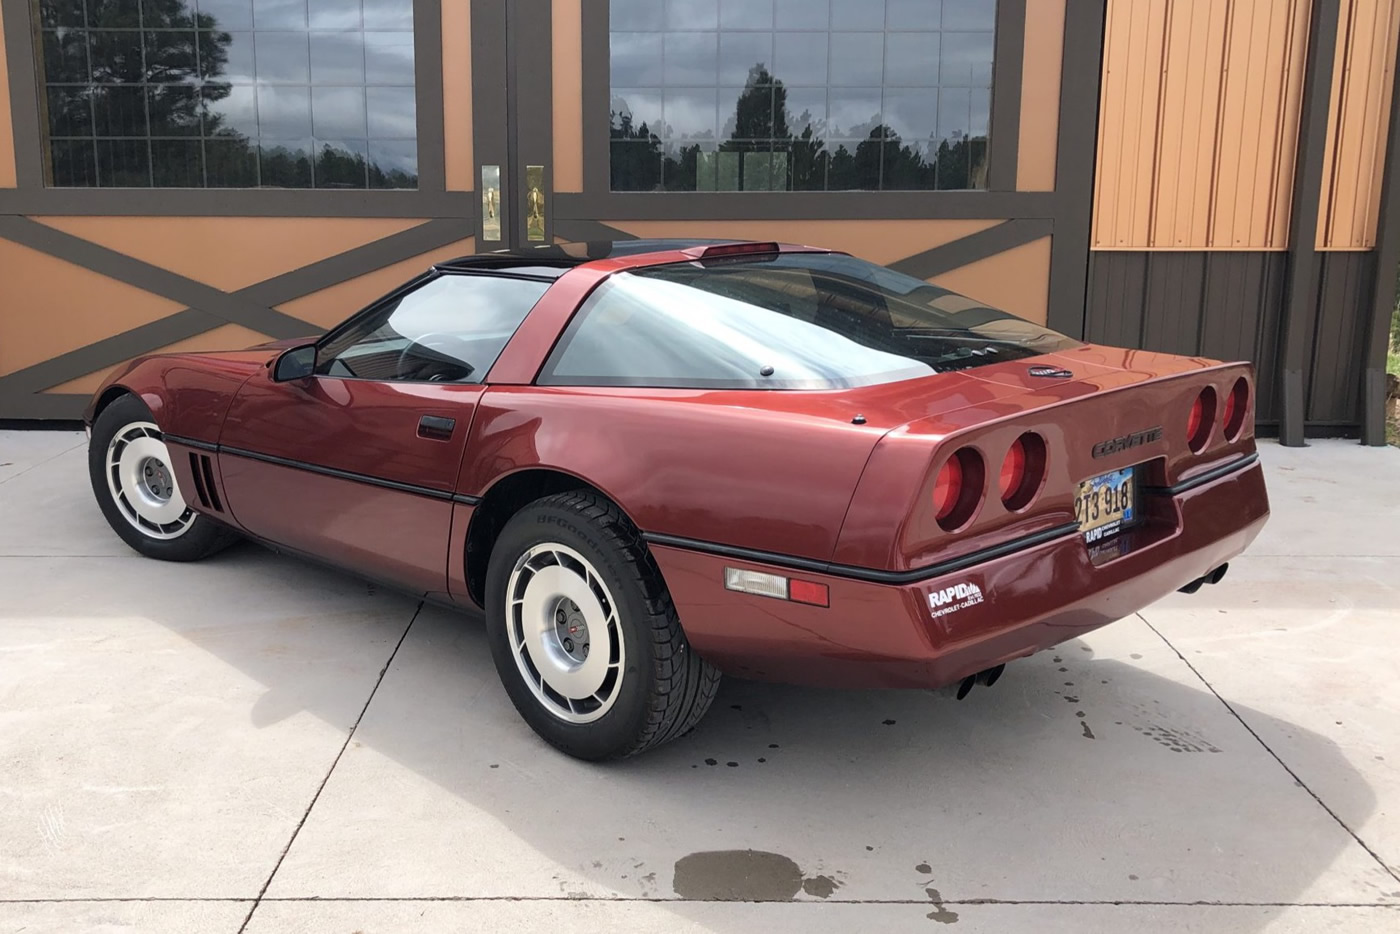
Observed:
{"x":786,"y":472}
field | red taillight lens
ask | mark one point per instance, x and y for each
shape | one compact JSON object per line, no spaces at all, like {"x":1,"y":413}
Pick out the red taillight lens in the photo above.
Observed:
{"x":957,"y":490}
{"x":1199,"y":422}
{"x":947,"y":489}
{"x":1013,"y":469}
{"x":1236,"y":405}
{"x":1022,"y":471}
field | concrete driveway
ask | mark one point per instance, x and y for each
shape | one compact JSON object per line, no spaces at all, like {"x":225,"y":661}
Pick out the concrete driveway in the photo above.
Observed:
{"x":253,"y":743}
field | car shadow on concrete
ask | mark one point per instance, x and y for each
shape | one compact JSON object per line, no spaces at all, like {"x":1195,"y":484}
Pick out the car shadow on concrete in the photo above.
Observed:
{"x":1079,"y":777}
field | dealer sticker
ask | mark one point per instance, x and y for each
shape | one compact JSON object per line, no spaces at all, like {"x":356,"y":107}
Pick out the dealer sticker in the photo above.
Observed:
{"x":953,"y":598}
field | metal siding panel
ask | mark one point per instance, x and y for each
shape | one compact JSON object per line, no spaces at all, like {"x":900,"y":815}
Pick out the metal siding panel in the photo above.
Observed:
{"x":1128,"y":121}
{"x":1171,"y":316}
{"x":1343,"y":297}
{"x":1198,"y":123}
{"x":1358,"y":124}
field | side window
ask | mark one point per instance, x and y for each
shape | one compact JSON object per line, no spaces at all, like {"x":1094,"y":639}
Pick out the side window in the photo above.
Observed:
{"x":450,"y":330}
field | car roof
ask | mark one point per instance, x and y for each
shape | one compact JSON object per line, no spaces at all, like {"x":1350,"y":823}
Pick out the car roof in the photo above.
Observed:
{"x":553,"y":260}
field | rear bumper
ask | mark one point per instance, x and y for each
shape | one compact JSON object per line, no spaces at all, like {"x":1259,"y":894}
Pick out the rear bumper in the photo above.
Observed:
{"x":894,"y":635}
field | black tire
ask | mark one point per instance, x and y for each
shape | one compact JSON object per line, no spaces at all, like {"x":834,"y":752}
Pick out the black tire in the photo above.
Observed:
{"x":200,"y":539}
{"x":664,"y":687}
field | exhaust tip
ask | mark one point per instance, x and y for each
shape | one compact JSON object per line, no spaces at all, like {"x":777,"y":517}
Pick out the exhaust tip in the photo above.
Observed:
{"x":966,"y":686}
{"x":990,"y":676}
{"x":1218,"y":574}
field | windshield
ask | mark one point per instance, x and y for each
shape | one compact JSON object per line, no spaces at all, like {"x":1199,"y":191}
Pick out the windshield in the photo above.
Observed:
{"x":782,"y":321}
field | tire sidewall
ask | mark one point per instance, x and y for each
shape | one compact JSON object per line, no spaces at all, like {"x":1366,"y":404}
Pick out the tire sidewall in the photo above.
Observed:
{"x":613,"y":733}
{"x":199,"y":539}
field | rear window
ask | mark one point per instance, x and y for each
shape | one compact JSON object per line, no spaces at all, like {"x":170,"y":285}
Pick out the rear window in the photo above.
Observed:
{"x":781,"y":321}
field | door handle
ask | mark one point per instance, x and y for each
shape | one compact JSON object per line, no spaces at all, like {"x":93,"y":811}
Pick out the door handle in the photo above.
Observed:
{"x":436,"y":427}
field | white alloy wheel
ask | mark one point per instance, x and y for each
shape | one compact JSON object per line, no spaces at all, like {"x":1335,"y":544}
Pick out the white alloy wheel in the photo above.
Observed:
{"x":564,"y":634}
{"x":142,"y":483}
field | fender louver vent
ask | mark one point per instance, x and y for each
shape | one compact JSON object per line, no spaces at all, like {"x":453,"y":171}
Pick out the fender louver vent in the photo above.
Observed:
{"x":204,"y":485}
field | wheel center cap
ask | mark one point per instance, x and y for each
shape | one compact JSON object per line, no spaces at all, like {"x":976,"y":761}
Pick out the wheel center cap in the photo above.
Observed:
{"x":571,"y":629}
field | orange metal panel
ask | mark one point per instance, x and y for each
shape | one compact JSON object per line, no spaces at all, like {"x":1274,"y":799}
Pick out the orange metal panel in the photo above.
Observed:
{"x":1193,"y":70}
{"x":1017,"y":280}
{"x":230,"y":252}
{"x":457,"y":95}
{"x":7,"y":138}
{"x":332,"y":305}
{"x":1133,"y":62}
{"x":225,"y":337}
{"x":1358,"y":123}
{"x":1040,"y":95}
{"x":53,"y":307}
{"x":1198,"y":123}
{"x":568,"y":94}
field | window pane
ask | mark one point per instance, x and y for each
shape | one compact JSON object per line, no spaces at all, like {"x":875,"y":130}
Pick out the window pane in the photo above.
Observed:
{"x":811,"y":94}
{"x":225,"y":14}
{"x":283,"y":57}
{"x":232,"y":93}
{"x":392,"y":113}
{"x":286,"y":164}
{"x":70,"y":111}
{"x":451,"y":329}
{"x":74,"y":163}
{"x":177,"y":163}
{"x":691,"y":58}
{"x":279,"y":14}
{"x":123,"y":163}
{"x":337,"y":112}
{"x":745,"y":14}
{"x":388,"y":14}
{"x":337,"y":58}
{"x":341,"y":164}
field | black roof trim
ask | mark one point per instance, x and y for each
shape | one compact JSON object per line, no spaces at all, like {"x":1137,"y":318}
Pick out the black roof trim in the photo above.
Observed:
{"x":568,"y":255}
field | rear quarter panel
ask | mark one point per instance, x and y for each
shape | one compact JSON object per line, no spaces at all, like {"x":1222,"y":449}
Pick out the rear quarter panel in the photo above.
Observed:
{"x":689,"y":463}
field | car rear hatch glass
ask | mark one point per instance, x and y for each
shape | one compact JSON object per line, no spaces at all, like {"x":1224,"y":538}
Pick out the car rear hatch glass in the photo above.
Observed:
{"x":796,"y":320}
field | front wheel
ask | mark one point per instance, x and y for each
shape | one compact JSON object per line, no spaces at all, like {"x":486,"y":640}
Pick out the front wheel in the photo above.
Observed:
{"x":132,"y":478}
{"x":584,"y":635}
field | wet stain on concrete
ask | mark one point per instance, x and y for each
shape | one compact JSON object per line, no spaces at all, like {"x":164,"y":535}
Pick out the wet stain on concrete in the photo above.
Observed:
{"x":1135,"y":655}
{"x":923,"y":868}
{"x":712,"y":762}
{"x":888,"y":722}
{"x":732,"y":765}
{"x":745,"y":876}
{"x":1088,"y":733}
{"x":772,"y":745}
{"x":940,"y":914}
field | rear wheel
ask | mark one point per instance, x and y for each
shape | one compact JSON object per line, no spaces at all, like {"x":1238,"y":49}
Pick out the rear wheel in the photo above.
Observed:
{"x":133,"y":480}
{"x":584,"y":635}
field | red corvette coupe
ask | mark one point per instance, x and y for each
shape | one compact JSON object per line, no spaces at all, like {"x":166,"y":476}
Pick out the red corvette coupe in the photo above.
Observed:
{"x":652,"y":462}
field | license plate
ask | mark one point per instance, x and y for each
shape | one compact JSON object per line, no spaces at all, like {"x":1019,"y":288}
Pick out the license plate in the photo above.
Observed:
{"x":1106,"y":505}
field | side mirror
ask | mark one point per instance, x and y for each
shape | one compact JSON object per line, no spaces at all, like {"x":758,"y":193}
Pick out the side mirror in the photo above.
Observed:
{"x":295,"y":363}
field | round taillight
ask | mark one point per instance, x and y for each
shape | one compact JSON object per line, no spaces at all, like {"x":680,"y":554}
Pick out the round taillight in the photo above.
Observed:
{"x":1199,"y":422}
{"x":1022,"y":471}
{"x":947,"y":488}
{"x":957,"y":490}
{"x":1236,"y":405}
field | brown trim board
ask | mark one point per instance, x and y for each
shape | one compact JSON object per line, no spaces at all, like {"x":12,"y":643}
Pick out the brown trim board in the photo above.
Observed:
{"x":581,"y":231}
{"x":1300,"y":301}
{"x":1377,"y":338}
{"x":1080,"y":78}
{"x":428,"y":96}
{"x":1003,"y":148}
{"x":970,"y":249}
{"x":489,"y":64}
{"x":24,"y":95}
{"x":804,"y":205}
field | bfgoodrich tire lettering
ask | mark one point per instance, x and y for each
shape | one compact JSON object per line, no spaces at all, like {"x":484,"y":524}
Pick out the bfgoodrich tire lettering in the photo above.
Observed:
{"x":584,"y":635}
{"x":133,"y":480}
